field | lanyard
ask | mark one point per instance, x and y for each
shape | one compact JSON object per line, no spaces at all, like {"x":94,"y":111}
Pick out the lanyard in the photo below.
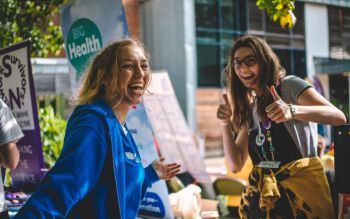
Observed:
{"x":262,"y":137}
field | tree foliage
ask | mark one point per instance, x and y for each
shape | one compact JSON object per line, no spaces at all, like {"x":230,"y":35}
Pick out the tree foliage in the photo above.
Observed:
{"x":36,"y":20}
{"x":279,"y":10}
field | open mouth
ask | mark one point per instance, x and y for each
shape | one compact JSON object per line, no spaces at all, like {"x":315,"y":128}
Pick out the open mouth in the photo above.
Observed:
{"x":136,"y":88}
{"x":247,"y":77}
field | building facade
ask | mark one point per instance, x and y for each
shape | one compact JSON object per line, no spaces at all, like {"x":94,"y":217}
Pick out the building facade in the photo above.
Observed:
{"x":191,"y":40}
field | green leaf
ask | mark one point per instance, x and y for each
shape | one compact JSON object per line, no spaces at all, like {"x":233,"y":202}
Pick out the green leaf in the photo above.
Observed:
{"x":35,"y":20}
{"x":52,"y":130}
{"x":279,"y":10}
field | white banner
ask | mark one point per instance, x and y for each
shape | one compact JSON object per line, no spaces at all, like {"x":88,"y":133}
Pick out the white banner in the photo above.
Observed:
{"x":88,"y":26}
{"x":176,"y":142}
{"x":156,"y":201}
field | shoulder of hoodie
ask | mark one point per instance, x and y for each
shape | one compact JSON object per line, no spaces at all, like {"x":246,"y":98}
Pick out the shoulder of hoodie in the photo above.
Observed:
{"x":89,"y":116}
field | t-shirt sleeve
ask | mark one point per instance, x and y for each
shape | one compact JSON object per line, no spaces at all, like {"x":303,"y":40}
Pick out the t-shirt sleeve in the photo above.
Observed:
{"x":9,"y":128}
{"x":292,"y":87}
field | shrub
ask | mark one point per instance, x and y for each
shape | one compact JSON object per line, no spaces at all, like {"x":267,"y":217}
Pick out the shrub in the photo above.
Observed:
{"x":52,"y":130}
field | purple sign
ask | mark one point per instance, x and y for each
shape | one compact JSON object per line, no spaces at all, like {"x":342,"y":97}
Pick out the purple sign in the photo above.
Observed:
{"x":17,"y":91}
{"x":318,"y":85}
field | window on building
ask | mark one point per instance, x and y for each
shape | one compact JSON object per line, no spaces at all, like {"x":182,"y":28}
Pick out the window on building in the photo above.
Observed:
{"x":339,"y":47}
{"x":299,"y":63}
{"x":206,"y":9}
{"x":218,"y":22}
{"x":293,"y":61}
{"x":288,"y":44}
{"x":208,"y":65}
{"x":339,"y":32}
{"x":256,"y":17}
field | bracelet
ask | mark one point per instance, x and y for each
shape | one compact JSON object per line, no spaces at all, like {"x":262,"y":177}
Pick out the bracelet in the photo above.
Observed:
{"x":292,"y":110}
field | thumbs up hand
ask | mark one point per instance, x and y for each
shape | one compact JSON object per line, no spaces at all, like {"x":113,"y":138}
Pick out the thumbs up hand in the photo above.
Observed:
{"x":278,"y":111}
{"x":224,"y":111}
{"x":274,"y":93}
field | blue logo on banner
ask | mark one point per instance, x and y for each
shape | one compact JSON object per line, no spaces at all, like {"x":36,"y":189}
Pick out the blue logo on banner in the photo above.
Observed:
{"x":152,"y":205}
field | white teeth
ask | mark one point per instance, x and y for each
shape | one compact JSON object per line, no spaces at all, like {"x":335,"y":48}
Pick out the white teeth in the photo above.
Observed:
{"x":246,"y":76}
{"x":136,"y":85}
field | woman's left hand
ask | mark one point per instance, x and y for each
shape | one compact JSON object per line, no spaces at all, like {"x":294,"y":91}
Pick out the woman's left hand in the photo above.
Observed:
{"x":278,"y":111}
{"x":165,"y":171}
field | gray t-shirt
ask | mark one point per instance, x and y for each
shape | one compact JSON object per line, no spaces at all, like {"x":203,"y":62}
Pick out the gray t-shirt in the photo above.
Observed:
{"x":9,"y":131}
{"x":304,"y":134}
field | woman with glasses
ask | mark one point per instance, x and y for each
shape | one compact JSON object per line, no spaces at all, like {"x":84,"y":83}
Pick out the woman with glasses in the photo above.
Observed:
{"x":271,"y":118}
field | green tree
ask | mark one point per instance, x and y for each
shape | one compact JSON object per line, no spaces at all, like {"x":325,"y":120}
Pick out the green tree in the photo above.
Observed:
{"x":38,"y":20}
{"x":279,"y":10}
{"x":35,"y":20}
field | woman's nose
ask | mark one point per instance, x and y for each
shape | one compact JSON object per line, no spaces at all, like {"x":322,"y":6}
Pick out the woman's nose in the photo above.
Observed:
{"x":139,"y":71}
{"x":243,"y":67}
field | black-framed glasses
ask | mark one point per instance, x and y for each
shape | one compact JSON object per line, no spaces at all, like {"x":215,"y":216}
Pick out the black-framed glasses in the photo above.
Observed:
{"x":249,"y":61}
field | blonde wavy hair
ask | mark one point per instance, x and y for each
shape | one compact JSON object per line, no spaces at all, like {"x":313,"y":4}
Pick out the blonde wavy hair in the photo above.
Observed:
{"x":105,"y":69}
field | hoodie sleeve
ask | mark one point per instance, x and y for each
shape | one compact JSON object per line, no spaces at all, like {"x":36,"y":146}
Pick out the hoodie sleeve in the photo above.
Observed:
{"x":150,"y":177}
{"x":75,"y":173}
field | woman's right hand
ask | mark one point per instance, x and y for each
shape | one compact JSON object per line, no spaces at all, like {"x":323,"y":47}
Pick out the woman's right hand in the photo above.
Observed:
{"x":165,"y":171}
{"x":224,"y":112}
